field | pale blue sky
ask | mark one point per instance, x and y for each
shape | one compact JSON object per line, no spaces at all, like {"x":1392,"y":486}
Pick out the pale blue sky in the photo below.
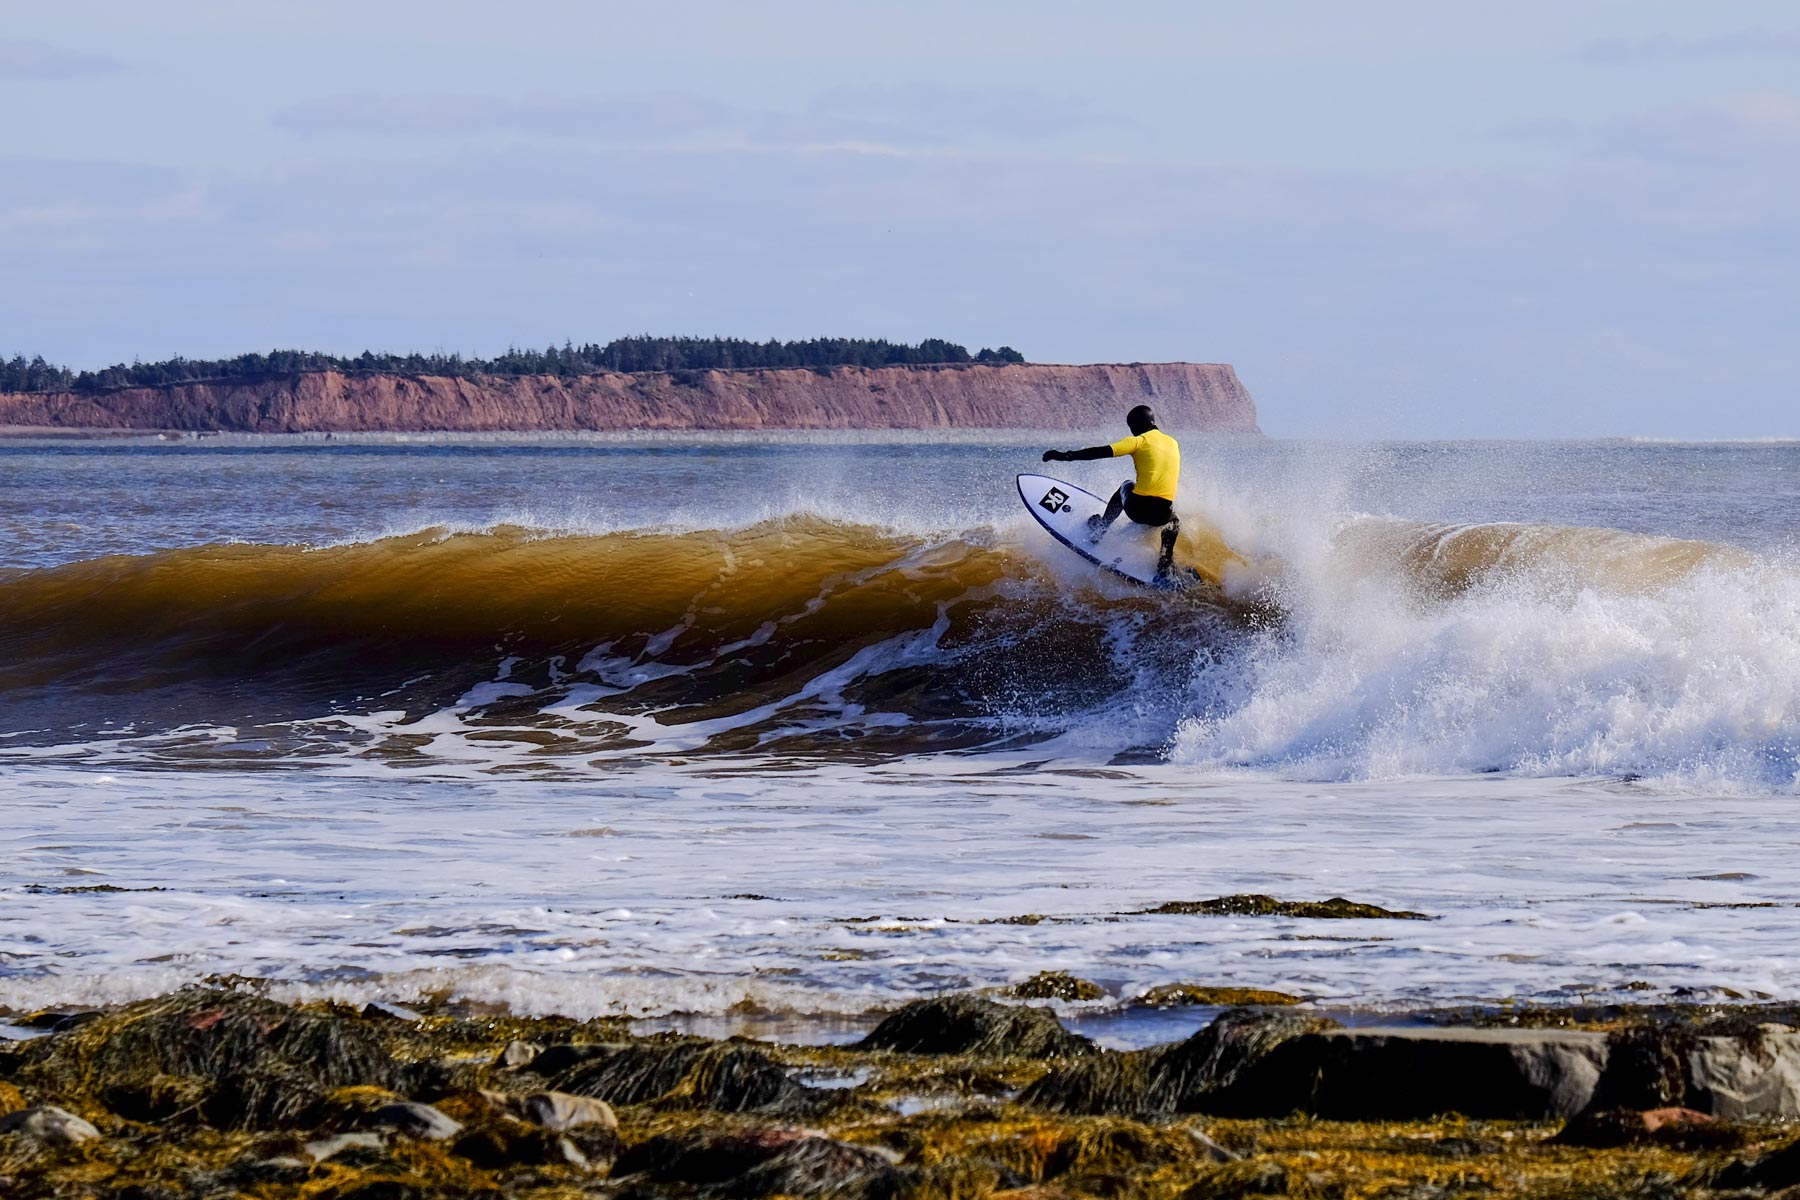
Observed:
{"x":1409,"y":219}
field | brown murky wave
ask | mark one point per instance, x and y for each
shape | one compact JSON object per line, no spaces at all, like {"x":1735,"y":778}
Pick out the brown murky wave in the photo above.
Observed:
{"x":964,"y":638}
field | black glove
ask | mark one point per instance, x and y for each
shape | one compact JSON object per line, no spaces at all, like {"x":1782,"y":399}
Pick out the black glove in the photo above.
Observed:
{"x":1056,"y":456}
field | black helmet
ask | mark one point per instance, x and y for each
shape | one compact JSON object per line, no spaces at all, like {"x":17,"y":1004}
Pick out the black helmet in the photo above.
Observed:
{"x":1140,"y":420}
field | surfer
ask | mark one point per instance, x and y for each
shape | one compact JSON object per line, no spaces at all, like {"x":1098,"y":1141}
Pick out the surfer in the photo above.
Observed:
{"x":1151,"y":499}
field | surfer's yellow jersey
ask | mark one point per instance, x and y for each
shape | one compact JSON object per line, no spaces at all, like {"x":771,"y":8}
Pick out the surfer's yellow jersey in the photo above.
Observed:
{"x":1157,"y":457}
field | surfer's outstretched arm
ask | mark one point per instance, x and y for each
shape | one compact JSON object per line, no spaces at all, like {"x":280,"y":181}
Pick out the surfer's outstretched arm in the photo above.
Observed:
{"x":1078,"y":455}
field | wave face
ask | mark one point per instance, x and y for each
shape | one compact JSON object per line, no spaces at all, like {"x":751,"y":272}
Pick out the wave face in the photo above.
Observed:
{"x":1371,"y":648}
{"x":789,"y":634}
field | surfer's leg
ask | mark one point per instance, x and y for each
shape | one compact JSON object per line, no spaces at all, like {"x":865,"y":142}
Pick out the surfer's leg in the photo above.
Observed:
{"x":1165,"y":561}
{"x":1099,"y":524}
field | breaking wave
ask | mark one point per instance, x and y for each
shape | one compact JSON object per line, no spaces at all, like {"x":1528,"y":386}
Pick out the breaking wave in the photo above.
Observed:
{"x":1372,"y":647}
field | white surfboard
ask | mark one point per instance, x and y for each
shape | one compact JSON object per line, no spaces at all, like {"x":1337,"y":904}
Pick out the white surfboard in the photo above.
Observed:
{"x":1128,"y":550}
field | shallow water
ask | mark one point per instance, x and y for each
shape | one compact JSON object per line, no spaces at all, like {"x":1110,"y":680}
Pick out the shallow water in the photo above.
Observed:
{"x":715,"y":731}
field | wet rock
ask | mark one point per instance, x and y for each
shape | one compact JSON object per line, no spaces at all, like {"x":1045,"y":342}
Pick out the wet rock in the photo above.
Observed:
{"x":323,"y":1148}
{"x":1055,"y":985}
{"x":50,"y":1125}
{"x":1731,"y":1072}
{"x":1752,"y":1074}
{"x":721,"y":1076}
{"x":963,"y":1024}
{"x":1405,"y":1073}
{"x":761,"y":1162}
{"x":263,"y":1062}
{"x":1217,"y":1070}
{"x":415,"y":1120}
{"x":561,"y":1111}
{"x":1336,"y":908}
{"x":1677,"y":1128}
{"x":1178,"y":995}
{"x":382,"y":1010}
{"x":518,"y":1054}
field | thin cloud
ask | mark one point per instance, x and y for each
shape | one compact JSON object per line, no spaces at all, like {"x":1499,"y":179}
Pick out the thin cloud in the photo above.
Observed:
{"x":629,"y":117}
{"x":956,"y":114}
{"x":21,"y":58}
{"x":1664,"y":47}
{"x":900,"y":118}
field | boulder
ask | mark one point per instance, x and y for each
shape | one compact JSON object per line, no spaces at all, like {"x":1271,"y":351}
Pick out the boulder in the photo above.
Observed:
{"x":419,"y":1121}
{"x":963,"y":1024}
{"x":1251,"y":1063}
{"x":561,"y":1111}
{"x":50,"y":1125}
{"x":1752,"y":1074}
{"x":1215,"y":1070}
{"x":517,"y":1054}
{"x":1408,"y":1073}
{"x":321,"y":1149}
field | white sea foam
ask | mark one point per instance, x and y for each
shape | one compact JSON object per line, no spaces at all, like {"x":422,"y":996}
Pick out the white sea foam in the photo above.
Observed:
{"x":836,"y":888}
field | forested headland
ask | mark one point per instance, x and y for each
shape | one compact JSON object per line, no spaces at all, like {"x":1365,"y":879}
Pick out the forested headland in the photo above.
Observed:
{"x":627,"y":355}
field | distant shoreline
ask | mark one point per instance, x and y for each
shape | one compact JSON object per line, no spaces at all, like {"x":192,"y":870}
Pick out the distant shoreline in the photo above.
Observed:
{"x":1191,"y":396}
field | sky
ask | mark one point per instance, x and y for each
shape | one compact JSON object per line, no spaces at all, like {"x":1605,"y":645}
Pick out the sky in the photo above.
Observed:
{"x":1397,"y":218}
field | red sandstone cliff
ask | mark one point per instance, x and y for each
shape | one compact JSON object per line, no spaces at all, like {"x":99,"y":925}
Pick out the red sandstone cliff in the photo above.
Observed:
{"x":1185,"y":395}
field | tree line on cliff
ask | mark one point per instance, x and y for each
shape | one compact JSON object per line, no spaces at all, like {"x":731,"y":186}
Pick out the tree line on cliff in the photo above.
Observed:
{"x":630,"y":354}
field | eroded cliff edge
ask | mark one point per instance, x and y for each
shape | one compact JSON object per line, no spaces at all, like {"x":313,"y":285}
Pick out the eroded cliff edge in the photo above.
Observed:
{"x":1190,"y":396}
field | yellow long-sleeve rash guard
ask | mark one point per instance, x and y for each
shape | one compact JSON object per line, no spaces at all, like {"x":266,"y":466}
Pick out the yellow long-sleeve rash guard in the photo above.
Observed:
{"x":1157,"y":457}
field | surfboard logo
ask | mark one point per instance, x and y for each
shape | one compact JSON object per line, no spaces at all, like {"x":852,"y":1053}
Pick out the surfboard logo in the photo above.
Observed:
{"x":1054,"y":500}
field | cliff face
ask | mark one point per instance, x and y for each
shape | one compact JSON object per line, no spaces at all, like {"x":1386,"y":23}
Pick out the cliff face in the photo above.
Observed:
{"x":1185,"y":395}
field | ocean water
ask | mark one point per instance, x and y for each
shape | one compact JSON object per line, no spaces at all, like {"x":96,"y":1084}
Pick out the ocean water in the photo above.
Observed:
{"x":769,"y":735}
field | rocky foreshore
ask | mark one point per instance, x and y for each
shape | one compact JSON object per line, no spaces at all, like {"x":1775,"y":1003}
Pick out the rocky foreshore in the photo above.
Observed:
{"x":219,"y":1092}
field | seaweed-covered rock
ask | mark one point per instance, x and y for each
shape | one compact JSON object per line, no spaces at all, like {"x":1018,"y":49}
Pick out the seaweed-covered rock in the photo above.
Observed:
{"x":1181,"y":995}
{"x":963,"y":1024}
{"x":761,"y":1162}
{"x":11,"y":1099}
{"x":1213,"y":1071}
{"x":158,"y":1098}
{"x":261,"y":1063}
{"x":1055,"y":985}
{"x":1249,"y":905}
{"x":722,"y":1076}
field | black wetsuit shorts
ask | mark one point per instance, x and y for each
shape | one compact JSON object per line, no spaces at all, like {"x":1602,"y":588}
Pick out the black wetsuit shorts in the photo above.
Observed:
{"x":1147,"y":510}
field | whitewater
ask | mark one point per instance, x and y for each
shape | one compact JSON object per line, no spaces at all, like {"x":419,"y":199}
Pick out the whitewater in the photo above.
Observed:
{"x":731,"y":733}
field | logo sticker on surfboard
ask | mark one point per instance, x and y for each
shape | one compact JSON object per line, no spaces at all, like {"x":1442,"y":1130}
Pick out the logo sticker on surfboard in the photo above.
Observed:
{"x":1055,"y":500}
